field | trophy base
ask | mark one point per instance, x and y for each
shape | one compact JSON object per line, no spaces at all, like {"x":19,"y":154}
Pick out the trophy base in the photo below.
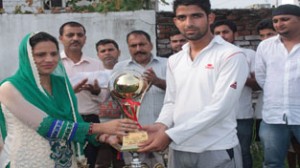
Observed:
{"x":131,"y":148}
{"x":131,"y":141}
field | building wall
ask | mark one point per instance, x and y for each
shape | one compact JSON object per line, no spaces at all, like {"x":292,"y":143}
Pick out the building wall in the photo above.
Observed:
{"x":11,"y":5}
{"x":246,"y":20}
{"x":114,"y":25}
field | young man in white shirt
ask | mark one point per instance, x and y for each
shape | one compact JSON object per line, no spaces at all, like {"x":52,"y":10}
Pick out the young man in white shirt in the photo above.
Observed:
{"x":204,"y":83}
{"x":177,"y":40}
{"x":277,"y":72}
{"x":228,"y":31}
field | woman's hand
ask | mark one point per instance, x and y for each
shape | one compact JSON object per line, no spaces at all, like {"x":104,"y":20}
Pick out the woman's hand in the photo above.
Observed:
{"x":118,"y":127}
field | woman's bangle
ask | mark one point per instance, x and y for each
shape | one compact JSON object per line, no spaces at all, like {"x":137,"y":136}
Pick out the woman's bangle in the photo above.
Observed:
{"x":90,"y":132}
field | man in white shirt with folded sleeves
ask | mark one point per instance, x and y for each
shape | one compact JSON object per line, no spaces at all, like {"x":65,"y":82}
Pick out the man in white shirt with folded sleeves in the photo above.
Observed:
{"x":277,"y":70}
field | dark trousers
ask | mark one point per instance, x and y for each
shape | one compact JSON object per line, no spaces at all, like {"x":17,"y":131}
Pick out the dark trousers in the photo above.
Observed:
{"x":244,"y":133}
{"x":108,"y":156}
{"x":91,"y":151}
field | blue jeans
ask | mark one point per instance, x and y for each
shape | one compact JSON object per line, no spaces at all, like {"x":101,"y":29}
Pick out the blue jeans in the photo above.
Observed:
{"x":244,"y":133}
{"x":276,"y":139}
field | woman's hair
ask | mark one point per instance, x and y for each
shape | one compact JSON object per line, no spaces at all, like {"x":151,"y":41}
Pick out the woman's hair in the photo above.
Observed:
{"x":42,"y":37}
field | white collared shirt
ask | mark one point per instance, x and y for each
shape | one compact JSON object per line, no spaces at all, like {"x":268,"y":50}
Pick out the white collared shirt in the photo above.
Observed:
{"x":245,"y":110}
{"x":277,"y":71}
{"x":202,"y":97}
{"x":87,"y":103}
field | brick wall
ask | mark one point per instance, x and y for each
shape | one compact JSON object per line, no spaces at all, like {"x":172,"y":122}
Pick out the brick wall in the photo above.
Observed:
{"x":245,"y":19}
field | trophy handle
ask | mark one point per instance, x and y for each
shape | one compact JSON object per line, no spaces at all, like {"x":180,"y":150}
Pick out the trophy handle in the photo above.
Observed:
{"x":129,"y":108}
{"x":142,"y":97}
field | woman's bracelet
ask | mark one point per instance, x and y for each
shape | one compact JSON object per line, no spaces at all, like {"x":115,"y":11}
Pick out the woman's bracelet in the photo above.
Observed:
{"x":90,"y":132}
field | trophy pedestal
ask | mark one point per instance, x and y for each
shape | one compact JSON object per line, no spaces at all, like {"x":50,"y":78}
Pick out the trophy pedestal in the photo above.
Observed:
{"x":135,"y":163}
{"x":131,"y":141}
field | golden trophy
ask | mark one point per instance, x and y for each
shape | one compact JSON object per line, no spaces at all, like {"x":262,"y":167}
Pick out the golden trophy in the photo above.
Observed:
{"x":128,"y":89}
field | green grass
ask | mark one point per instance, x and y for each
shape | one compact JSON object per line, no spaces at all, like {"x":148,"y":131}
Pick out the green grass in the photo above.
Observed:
{"x":257,"y":155}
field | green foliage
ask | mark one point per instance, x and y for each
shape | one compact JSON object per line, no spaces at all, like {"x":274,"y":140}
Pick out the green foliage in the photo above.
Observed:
{"x":111,"y":5}
{"x":2,"y":10}
{"x":18,"y":9}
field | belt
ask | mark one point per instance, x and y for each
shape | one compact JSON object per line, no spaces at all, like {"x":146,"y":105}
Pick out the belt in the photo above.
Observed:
{"x":91,"y":118}
{"x":230,"y":153}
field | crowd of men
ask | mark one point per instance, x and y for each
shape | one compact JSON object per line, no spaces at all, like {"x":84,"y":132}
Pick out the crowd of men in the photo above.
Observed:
{"x":199,"y":105}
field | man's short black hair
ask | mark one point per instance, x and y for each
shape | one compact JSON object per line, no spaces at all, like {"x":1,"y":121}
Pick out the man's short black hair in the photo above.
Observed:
{"x":72,"y":24}
{"x":232,"y":26}
{"x":107,"y":41}
{"x":139,"y":32}
{"x":203,"y":4}
{"x":174,"y":32}
{"x":265,"y":24}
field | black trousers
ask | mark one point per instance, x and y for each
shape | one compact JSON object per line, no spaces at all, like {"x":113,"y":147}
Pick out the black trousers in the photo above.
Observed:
{"x":91,"y":151}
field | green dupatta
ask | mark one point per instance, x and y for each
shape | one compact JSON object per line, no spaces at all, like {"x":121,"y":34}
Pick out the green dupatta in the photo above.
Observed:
{"x":61,"y":105}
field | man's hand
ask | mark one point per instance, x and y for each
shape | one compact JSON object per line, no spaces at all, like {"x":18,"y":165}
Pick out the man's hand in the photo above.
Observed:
{"x":94,"y":89}
{"x":79,"y":86}
{"x":251,"y":82}
{"x":158,"y":140}
{"x":150,"y":76}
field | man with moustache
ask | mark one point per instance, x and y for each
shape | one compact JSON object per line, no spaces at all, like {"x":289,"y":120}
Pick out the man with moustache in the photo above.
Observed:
{"x":153,"y":69}
{"x":277,"y":72}
{"x":204,"y":83}
{"x":72,"y":36}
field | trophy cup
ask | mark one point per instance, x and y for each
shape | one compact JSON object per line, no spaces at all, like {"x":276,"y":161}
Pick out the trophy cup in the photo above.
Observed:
{"x":128,"y":88}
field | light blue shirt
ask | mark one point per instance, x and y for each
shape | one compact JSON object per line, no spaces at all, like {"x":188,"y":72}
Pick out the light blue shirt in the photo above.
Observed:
{"x":153,"y":101}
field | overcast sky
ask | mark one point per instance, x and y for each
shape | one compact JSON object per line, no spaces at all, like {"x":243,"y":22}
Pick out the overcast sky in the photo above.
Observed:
{"x":227,"y":4}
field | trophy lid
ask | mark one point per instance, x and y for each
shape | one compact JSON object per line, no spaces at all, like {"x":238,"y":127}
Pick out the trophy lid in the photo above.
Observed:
{"x":127,"y":84}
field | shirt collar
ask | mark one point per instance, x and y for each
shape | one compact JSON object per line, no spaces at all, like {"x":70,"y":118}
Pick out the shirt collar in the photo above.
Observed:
{"x":277,"y":39}
{"x":152,"y":59}
{"x":216,"y":40}
{"x":63,"y":56}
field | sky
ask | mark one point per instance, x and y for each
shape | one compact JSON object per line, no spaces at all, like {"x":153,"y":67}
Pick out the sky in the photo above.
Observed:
{"x":225,"y":4}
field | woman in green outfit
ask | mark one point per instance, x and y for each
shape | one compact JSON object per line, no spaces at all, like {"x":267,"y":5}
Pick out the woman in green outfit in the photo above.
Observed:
{"x":39,"y":121}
